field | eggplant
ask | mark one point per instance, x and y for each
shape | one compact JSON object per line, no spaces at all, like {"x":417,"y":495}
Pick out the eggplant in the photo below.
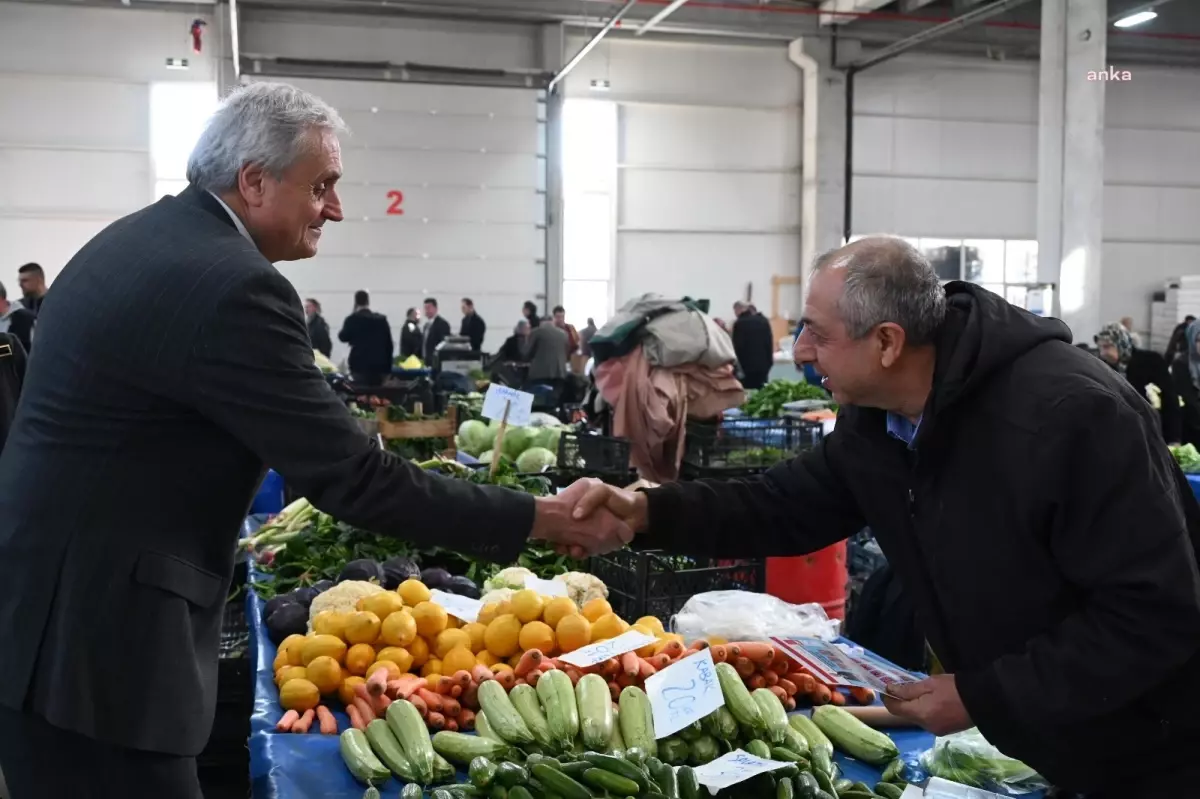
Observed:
{"x":304,"y":596}
{"x":398,"y":569}
{"x":463,"y":586}
{"x":435,"y":578}
{"x":323,"y":585}
{"x":289,"y":619}
{"x":275,"y":603}
{"x":362,"y":569}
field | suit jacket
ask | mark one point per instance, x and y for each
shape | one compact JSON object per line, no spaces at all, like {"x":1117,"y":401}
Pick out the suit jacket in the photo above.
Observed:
{"x":318,"y":333}
{"x":129,"y":469}
{"x":20,"y":323}
{"x":547,"y":353}
{"x":474,"y":328}
{"x":12,"y":376}
{"x":370,"y":338}
{"x":410,"y":339}
{"x":754,"y":343}
{"x":436,"y":330}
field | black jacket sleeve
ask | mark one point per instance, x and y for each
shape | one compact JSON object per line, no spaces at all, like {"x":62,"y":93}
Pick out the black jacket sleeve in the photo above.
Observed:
{"x":1171,"y":412}
{"x":346,"y":334}
{"x":795,"y":508}
{"x":21,"y":325}
{"x":319,"y":331}
{"x":251,"y":372}
{"x":1119,"y":534}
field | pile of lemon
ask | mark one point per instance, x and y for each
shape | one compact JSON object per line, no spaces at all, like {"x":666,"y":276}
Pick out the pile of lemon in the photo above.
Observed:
{"x":404,"y":631}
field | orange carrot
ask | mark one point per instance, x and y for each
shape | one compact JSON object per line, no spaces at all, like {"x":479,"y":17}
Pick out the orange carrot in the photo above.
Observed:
{"x":779,"y":692}
{"x":645,"y":669}
{"x":864,"y":696}
{"x":757,"y":651}
{"x":435,"y":721}
{"x":466,"y":720}
{"x":305,"y":721}
{"x":756,"y":681}
{"x":393,"y":688}
{"x":364,"y":709}
{"x":380,"y":705}
{"x":837,"y":697}
{"x":609,"y":668}
{"x":788,"y":687}
{"x":432,"y":700}
{"x":438,"y":684}
{"x":377,"y":682}
{"x":821,"y":695}
{"x":528,"y":662}
{"x":720,"y":653}
{"x":411,"y":687}
{"x":286,"y":721}
{"x":672,"y":650}
{"x":744,"y":667}
{"x":805,"y":684}
{"x":697,"y":645}
{"x":506,"y":679}
{"x":624,"y":680}
{"x":420,"y":705}
{"x":614,"y":690}
{"x":327,"y":721}
{"x":659,"y":661}
{"x":451,"y":707}
{"x":789,"y":704}
{"x":629,"y":664}
{"x":470,"y":697}
{"x":356,"y":719}
{"x":482,"y":673}
{"x":452,"y":725}
{"x":461,"y":678}
{"x":780,"y":665}
{"x":771,"y":677}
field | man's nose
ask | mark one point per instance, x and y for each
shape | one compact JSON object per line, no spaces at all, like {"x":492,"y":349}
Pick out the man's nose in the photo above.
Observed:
{"x":333,"y":207}
{"x":802,"y":351}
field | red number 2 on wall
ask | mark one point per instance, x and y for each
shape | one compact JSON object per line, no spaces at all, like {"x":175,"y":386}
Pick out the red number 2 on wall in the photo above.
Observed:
{"x":397,"y":197}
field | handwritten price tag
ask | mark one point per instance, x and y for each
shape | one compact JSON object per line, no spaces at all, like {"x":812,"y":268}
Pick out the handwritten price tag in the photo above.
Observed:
{"x":683,"y":692}
{"x":546,"y":587}
{"x":520,"y":405}
{"x":732,"y":768}
{"x":460,"y":607}
{"x":592,"y":654}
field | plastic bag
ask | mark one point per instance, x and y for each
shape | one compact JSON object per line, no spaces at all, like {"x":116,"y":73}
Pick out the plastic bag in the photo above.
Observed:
{"x":746,"y":616}
{"x":966,"y":757}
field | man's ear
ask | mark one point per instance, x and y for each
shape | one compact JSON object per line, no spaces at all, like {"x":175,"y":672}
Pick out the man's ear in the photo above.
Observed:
{"x":251,"y":184}
{"x":891,"y":343}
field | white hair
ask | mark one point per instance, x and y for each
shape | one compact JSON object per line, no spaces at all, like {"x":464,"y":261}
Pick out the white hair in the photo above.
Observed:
{"x":268,"y":124}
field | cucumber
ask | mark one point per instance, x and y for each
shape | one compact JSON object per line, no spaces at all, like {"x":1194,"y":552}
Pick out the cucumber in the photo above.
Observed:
{"x":637,"y":720}
{"x":758,"y":749}
{"x":894,"y":771}
{"x":460,"y":748}
{"x":497,"y":791}
{"x":412,"y":791}
{"x":666,"y":779}
{"x":371,"y":793}
{"x":562,"y":713}
{"x":703,"y":750}
{"x":861,"y":787}
{"x":673,"y":751}
{"x":822,"y":763}
{"x":442,"y":770}
{"x":502,"y":717}
{"x":595,"y":712}
{"x":388,"y":750}
{"x":464,"y":790}
{"x":575,"y":770}
{"x":738,"y":700}
{"x":794,"y":741}
{"x":511,"y":775}
{"x":786,"y":755}
{"x":540,"y":759}
{"x":785,"y":790}
{"x":824,"y":781}
{"x":888,"y":791}
{"x":774,"y":716}
{"x":806,"y":785}
{"x":560,"y":784}
{"x":692,"y":731}
{"x":843,"y":785}
{"x":517,"y":792}
{"x":811,"y":732}
{"x":689,"y":783}
{"x":359,"y":758}
{"x":442,"y":793}
{"x":727,"y":723}
{"x":636,"y":755}
{"x":409,"y":728}
{"x":525,"y":699}
{"x":620,"y":767}
{"x":822,"y":794}
{"x":853,"y":737}
{"x":604,"y":780}
{"x":481,"y":772}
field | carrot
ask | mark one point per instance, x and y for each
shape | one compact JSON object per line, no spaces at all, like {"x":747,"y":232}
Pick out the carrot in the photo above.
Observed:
{"x":327,"y":721}
{"x":482,"y":673}
{"x":364,"y":709}
{"x":574,"y":674}
{"x":506,"y":679}
{"x":789,"y":704}
{"x":659,"y":661}
{"x":461,"y":678}
{"x":609,"y":668}
{"x":757,"y":651}
{"x":805,"y":684}
{"x":837,"y":697}
{"x":720,"y":653}
{"x":744,"y":667}
{"x":393,"y":689}
{"x":624,"y":680}
{"x":756,"y":681}
{"x":466,"y":720}
{"x":672,"y":650}
{"x":528,"y":662}
{"x":451,"y":707}
{"x":645,"y":669}
{"x":434,"y":701}
{"x":438,"y":684}
{"x":614,"y":690}
{"x":377,"y":682}
{"x":420,"y":705}
{"x":629,"y":664}
{"x":864,"y":696}
{"x":452,"y":725}
{"x":435,"y":721}
{"x":456,"y":691}
{"x":356,"y":719}
{"x":286,"y":721}
{"x":305,"y":721}
{"x":381,"y":704}
{"x":771,"y":677}
{"x":411,"y":687}
{"x":780,"y":665}
{"x":779,"y":692}
{"x":788,"y":687}
{"x":697,"y":645}
{"x":821,"y":695}
{"x":470,"y":697}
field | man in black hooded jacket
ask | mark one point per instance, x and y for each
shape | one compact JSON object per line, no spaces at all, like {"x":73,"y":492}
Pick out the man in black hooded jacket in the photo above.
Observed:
{"x":1022,"y":492}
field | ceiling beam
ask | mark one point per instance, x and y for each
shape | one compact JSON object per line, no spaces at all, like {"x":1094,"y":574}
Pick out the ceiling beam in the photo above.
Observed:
{"x":834,"y":12}
{"x":963,"y":6}
{"x":651,"y":23}
{"x":587,"y":48}
{"x":909,"y":6}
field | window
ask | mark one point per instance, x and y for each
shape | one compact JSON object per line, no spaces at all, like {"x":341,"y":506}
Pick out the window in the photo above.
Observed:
{"x":589,"y":195}
{"x":178,"y":113}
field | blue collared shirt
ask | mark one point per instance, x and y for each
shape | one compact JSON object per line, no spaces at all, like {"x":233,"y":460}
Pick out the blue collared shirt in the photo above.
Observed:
{"x":901,"y":428}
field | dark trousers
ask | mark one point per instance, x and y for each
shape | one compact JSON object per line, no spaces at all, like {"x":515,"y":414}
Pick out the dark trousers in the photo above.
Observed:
{"x":40,"y":760}
{"x":755,"y":379}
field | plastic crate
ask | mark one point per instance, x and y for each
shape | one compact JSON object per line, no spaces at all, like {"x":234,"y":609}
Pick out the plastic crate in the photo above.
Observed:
{"x":741,"y":445}
{"x":652,"y":583}
{"x":235,"y":683}
{"x":588,"y":454}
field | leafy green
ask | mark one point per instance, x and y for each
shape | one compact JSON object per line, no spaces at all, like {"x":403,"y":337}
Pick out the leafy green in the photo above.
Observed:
{"x":1188,"y":458}
{"x":768,"y":401}
{"x":761,"y":456}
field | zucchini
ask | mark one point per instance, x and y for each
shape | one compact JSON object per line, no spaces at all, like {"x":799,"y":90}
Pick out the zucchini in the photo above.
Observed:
{"x":604,"y":780}
{"x":689,"y":783}
{"x":462,"y":749}
{"x":481,"y":772}
{"x":558,"y":698}
{"x":822,"y":762}
{"x":560,"y":784}
{"x":595,"y":712}
{"x":738,"y":700}
{"x":636,"y":755}
{"x":409,"y":728}
{"x":361,"y":761}
{"x":637,"y":720}
{"x":483,"y":728}
{"x":525,"y":699}
{"x":620,"y":767}
{"x":794,"y":741}
{"x":442,"y":770}
{"x":668,"y":783}
{"x":894,"y":771}
{"x":785,"y":790}
{"x":388,"y":750}
{"x":616,"y":744}
{"x":806,"y":785}
{"x":703,"y":750}
{"x":888,"y":791}
{"x":511,"y":775}
{"x":673,"y":751}
{"x":412,"y":791}
{"x":502,"y":717}
{"x":774,"y":716}
{"x":727,"y":724}
{"x":758,"y":749}
{"x":692,"y":731}
{"x":805,"y":726}
{"x":853,"y":737}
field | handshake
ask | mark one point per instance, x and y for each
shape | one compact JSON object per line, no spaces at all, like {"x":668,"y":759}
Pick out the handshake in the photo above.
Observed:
{"x":589,"y":518}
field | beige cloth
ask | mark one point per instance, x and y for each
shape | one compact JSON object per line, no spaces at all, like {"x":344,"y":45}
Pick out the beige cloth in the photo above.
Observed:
{"x":651,"y":407}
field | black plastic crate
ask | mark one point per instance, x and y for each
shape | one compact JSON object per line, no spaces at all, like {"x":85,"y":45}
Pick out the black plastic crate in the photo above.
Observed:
{"x":744,"y":446}
{"x":593,"y":454}
{"x":652,"y":583}
{"x":234,"y":680}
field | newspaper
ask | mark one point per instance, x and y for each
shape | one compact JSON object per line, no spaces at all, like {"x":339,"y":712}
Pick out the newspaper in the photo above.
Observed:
{"x":833,"y":665}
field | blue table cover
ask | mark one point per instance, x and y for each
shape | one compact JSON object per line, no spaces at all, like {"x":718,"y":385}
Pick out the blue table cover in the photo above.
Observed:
{"x":1194,"y":482}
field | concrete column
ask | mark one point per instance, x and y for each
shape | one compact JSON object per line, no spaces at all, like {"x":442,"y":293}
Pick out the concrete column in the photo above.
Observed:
{"x":823,"y":152}
{"x":1071,"y":159}
{"x":553,"y":45}
{"x":222,"y":49}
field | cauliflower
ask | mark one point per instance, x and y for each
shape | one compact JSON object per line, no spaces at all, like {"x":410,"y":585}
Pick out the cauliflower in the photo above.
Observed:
{"x":583,"y":587}
{"x":512,"y":577}
{"x":496,"y":596}
{"x":342,"y":597}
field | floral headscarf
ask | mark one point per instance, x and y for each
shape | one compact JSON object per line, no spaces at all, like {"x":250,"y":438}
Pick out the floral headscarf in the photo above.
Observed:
{"x":1116,"y":335}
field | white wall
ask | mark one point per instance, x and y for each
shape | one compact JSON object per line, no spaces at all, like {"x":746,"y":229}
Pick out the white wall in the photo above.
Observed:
{"x":709,"y":167}
{"x":948,"y":148}
{"x":75,"y":121}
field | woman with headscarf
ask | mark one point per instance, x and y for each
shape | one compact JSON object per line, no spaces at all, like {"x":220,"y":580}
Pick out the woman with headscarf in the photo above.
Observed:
{"x":1185,"y":369}
{"x":1142,"y":369}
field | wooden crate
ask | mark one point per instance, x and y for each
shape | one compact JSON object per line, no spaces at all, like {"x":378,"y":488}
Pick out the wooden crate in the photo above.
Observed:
{"x":446,"y":428}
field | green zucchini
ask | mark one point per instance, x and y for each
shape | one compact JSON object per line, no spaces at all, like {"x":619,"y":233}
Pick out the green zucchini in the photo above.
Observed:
{"x":410,"y":730}
{"x":888,"y":791}
{"x":595,"y":712}
{"x":511,"y":775}
{"x":525,"y":699}
{"x":726,"y":723}
{"x":853,"y":737}
{"x":560,"y":784}
{"x":758,"y":749}
{"x":483,"y":728}
{"x":387,"y":748}
{"x":894,"y":771}
{"x":604,"y":780}
{"x":481,"y":771}
{"x":620,"y":767}
{"x":811,"y":732}
{"x":703,"y":750}
{"x":460,"y":748}
{"x":689,"y":783}
{"x":785,"y":790}
{"x":616,"y":744}
{"x":562,"y":713}
{"x":502,"y":716}
{"x":362,"y":762}
{"x":774,"y":716}
{"x":637,"y":720}
{"x":442,"y":770}
{"x":738,"y":700}
{"x":822,"y":762}
{"x":795,"y":741}
{"x":673,"y":751}
{"x":412,"y":791}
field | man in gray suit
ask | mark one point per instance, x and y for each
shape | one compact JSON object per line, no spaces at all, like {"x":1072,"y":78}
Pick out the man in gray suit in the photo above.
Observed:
{"x":140,"y":440}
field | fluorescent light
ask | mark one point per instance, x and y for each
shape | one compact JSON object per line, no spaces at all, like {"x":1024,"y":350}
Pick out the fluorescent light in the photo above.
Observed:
{"x":1135,"y":19}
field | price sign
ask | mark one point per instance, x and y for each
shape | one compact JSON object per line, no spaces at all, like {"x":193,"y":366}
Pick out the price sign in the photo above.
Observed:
{"x":520,"y":405}
{"x":592,"y":654}
{"x":546,"y":587}
{"x":732,"y":768}
{"x":684,"y":692}
{"x":462,"y":608}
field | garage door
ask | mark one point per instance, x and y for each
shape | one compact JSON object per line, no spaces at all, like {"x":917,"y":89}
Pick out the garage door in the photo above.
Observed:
{"x":444,"y":197}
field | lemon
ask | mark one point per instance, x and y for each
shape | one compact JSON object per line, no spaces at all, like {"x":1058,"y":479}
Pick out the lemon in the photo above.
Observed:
{"x":573,"y":632}
{"x":556,"y":609}
{"x":487,"y":658}
{"x":398,"y":629}
{"x":346,"y":689}
{"x":527,"y":605}
{"x":431,"y":667}
{"x":325,"y":673}
{"x":450,"y":639}
{"x":330,"y":622}
{"x":413,"y":592}
{"x":648,"y":649}
{"x":488,"y":612}
{"x":458,"y":659}
{"x":475,"y":632}
{"x":655,"y":626}
{"x":596,"y":608}
{"x":607,"y":626}
{"x":537,"y":635}
{"x":501,"y":636}
{"x":299,"y":695}
{"x":359,"y":657}
{"x":430,"y":618}
{"x":419,"y":649}
{"x":362,"y":628}
{"x":398,"y":655}
{"x":383,"y":604}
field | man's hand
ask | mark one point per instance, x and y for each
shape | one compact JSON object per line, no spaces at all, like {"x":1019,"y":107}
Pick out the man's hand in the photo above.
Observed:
{"x":558,"y":521}
{"x":630,"y":506}
{"x":932,"y":703}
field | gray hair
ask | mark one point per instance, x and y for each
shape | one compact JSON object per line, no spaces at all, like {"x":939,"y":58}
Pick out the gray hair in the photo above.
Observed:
{"x":887,"y":280}
{"x":262,"y":123}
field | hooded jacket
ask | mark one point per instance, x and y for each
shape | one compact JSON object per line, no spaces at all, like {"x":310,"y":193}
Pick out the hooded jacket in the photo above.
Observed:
{"x":1038,"y":520}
